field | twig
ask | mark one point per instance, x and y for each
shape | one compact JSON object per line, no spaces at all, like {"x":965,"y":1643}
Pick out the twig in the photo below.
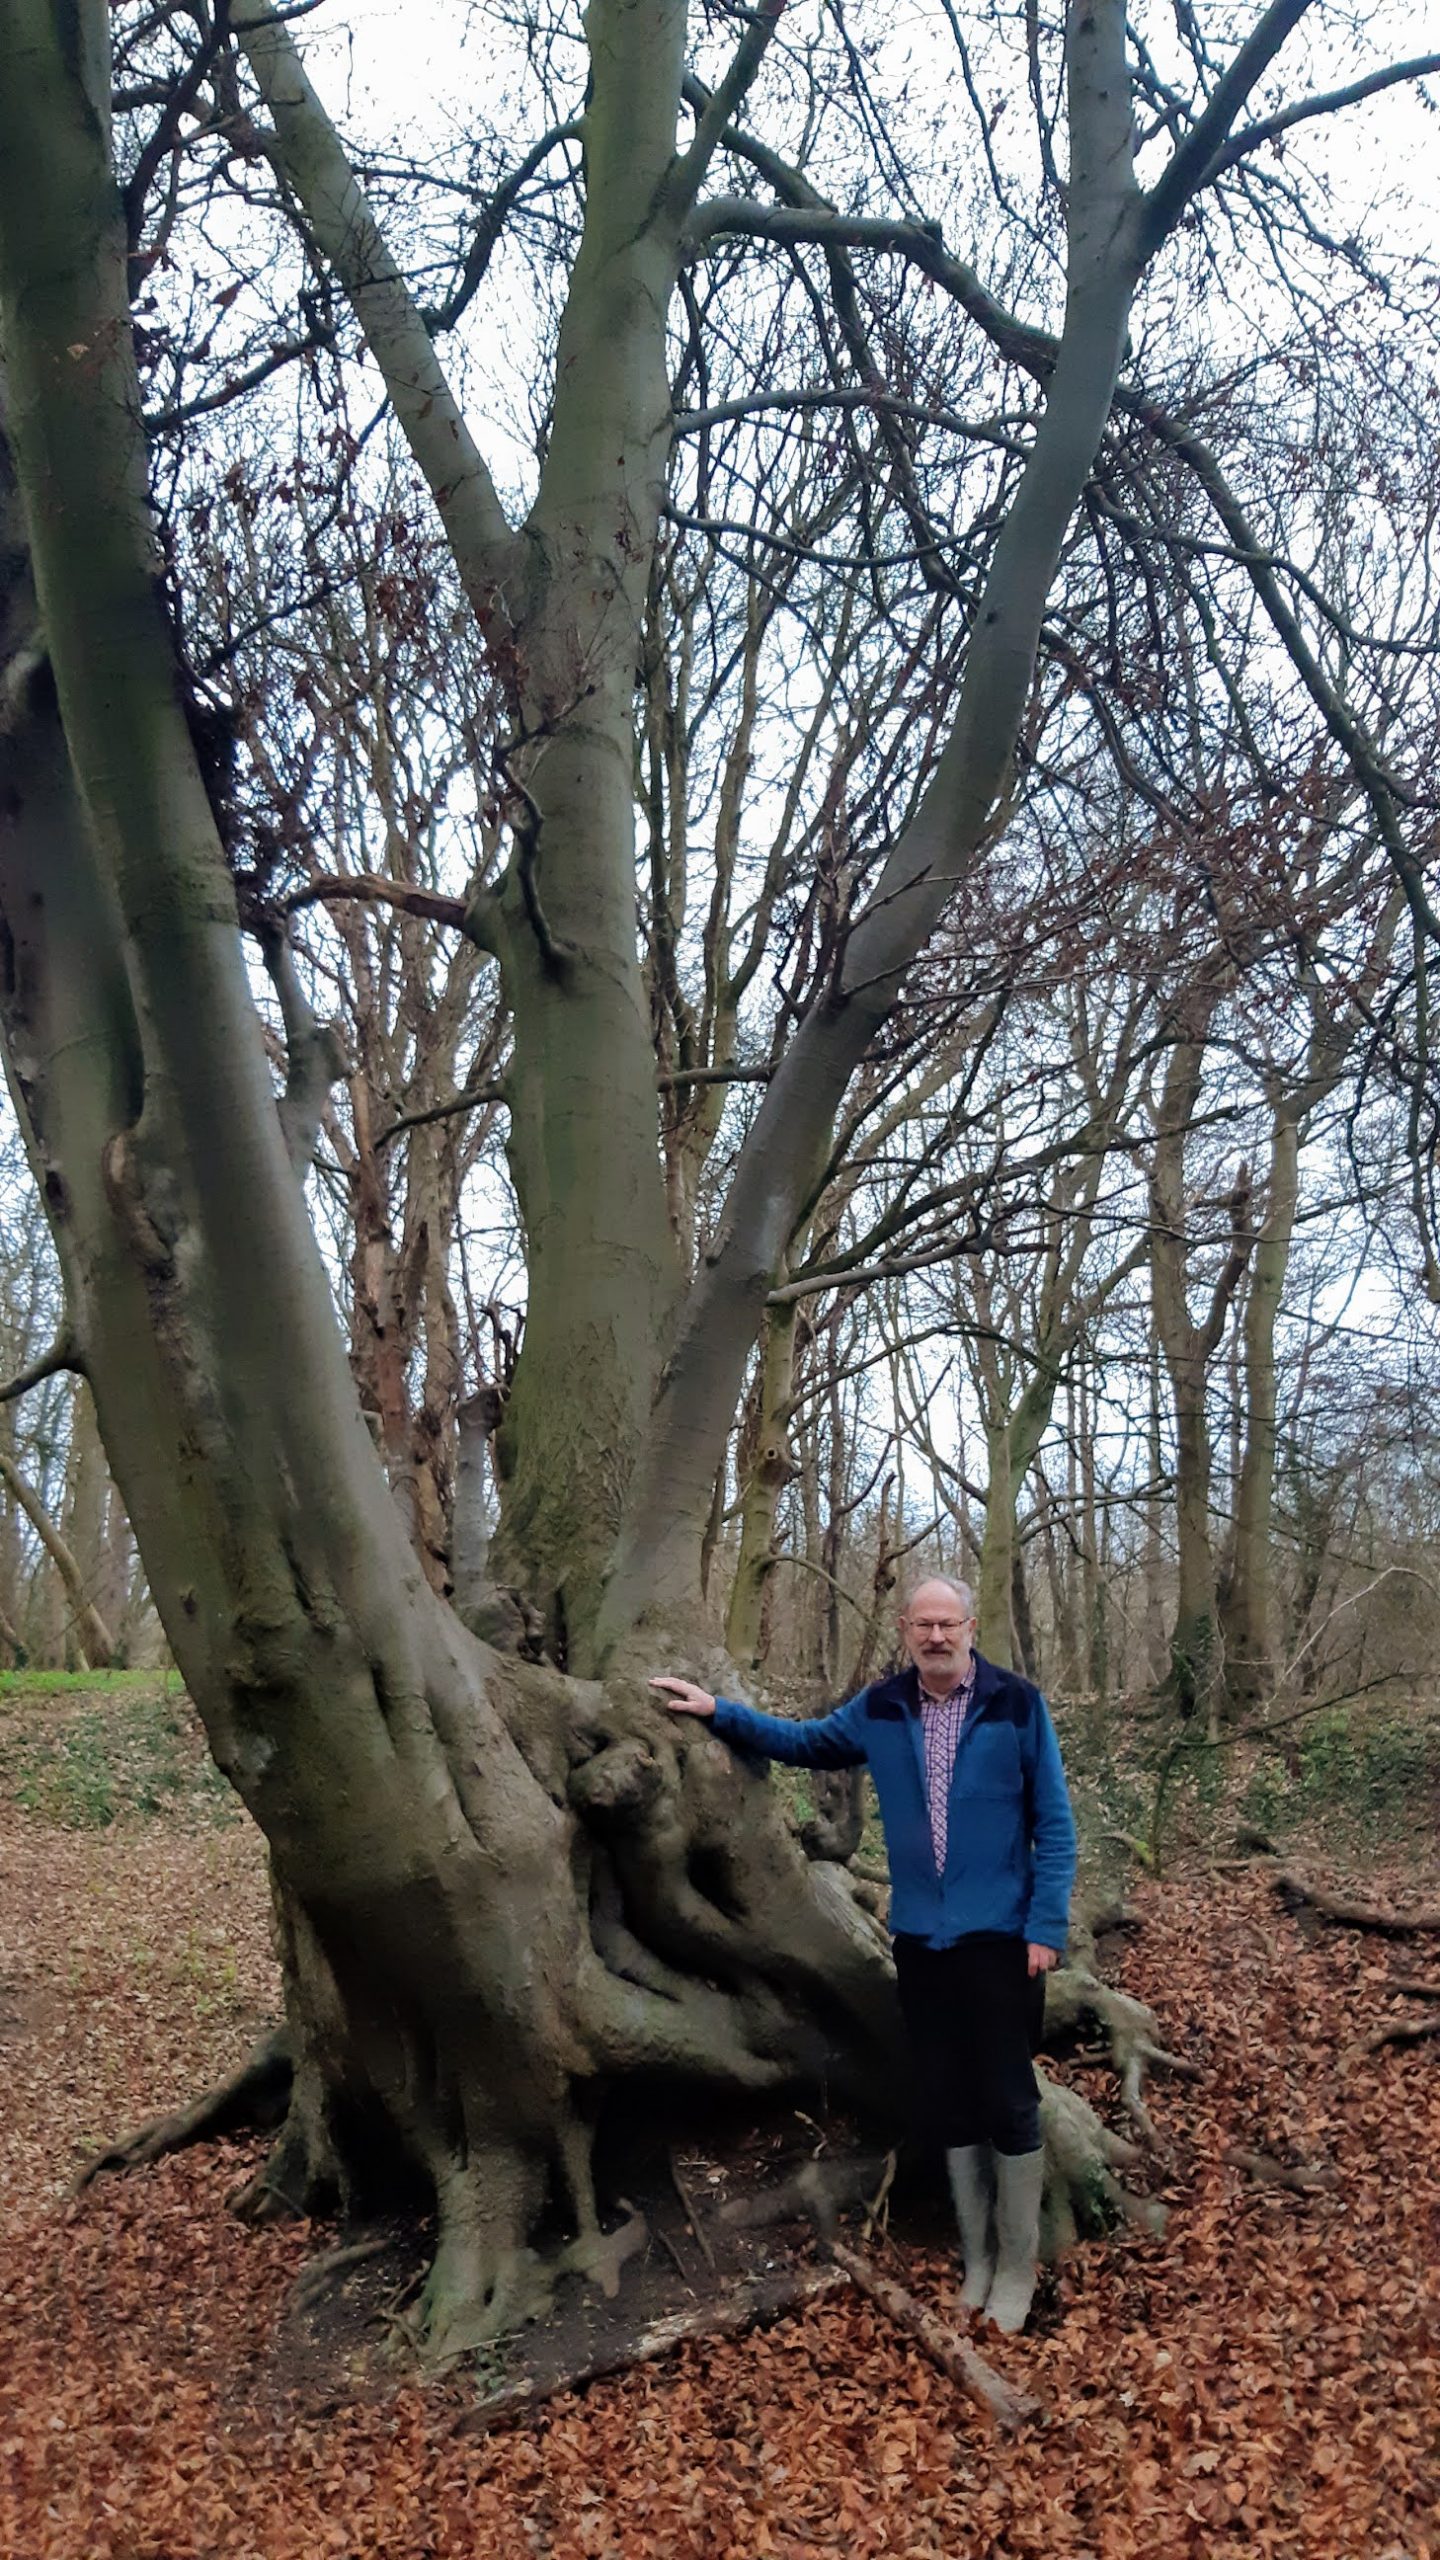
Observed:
{"x":877,"y":2210}
{"x":944,"y":2346}
{"x":692,"y":2217}
{"x":676,"y":2261}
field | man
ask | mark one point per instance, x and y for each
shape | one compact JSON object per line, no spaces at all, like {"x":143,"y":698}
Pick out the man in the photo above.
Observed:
{"x":981,"y":1845}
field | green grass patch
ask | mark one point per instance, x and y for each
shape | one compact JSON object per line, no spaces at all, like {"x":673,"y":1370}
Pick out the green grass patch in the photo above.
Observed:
{"x":1360,"y":1778}
{"x":61,"y":1684}
{"x":1369,"y":1775}
{"x":135,"y":1752}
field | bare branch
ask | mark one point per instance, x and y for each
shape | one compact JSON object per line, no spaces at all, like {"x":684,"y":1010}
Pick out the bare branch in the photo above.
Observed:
{"x":688,"y":175}
{"x":61,"y":1356}
{"x":492,"y":223}
{"x":1331,"y":102}
{"x":1194,"y":162}
{"x":311,"y":158}
{"x":471,"y":1099}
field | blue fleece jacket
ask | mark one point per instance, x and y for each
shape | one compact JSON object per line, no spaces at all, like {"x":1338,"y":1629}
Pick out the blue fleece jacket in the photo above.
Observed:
{"x":1010,"y":1853}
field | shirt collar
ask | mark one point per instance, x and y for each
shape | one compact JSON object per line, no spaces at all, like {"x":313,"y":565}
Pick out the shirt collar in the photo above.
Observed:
{"x":963,"y":1685}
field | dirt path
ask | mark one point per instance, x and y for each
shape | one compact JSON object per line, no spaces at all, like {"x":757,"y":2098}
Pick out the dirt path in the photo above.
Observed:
{"x":1264,"y":2380}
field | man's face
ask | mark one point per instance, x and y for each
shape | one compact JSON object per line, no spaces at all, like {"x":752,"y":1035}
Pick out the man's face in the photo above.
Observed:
{"x":938,"y":1628}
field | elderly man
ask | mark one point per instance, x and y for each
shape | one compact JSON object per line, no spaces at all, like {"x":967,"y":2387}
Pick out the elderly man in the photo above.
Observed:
{"x":981,"y":1847}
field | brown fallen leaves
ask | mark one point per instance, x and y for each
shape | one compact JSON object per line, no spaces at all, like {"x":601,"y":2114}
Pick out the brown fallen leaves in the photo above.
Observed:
{"x":1264,"y":2381}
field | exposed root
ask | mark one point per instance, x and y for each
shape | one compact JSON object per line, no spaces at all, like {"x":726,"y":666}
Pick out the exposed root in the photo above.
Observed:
{"x":485,"y":2281}
{"x":1307,"y":2177}
{"x":944,"y":2346}
{"x":1295,"y":1889}
{"x":1399,"y":2031}
{"x":751,"y":2306}
{"x":818,"y":2193}
{"x":1074,"y":1997}
{"x":254,"y":2097}
{"x":1082,"y":2193}
{"x":333,"y":2267}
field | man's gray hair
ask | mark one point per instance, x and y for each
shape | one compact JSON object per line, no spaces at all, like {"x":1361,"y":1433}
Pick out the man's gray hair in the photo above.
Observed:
{"x":962,"y":1591}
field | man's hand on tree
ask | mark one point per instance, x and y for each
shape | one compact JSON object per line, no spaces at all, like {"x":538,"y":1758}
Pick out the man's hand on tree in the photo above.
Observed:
{"x":1042,"y":1959}
{"x":686,"y":1698}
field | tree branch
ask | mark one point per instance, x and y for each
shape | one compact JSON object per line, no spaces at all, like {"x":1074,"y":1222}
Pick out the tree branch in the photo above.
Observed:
{"x":688,"y":175}
{"x":314,"y":1052}
{"x":1329,"y":103}
{"x":370,"y":888}
{"x":310,"y":157}
{"x":62,"y":1355}
{"x":492,"y":223}
{"x":936,"y":851}
{"x":470,"y":1100}
{"x":1193,"y":163}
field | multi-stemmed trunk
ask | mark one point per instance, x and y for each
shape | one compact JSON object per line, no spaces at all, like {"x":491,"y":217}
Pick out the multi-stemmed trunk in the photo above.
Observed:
{"x":503,"y":1890}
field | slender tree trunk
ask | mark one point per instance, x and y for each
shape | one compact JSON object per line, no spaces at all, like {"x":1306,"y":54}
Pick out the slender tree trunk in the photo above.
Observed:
{"x":1188,"y":1349}
{"x":1156,"y":1646}
{"x":95,"y":1639}
{"x":1092,"y":1577}
{"x":769,"y":1465}
{"x":1248,"y":1607}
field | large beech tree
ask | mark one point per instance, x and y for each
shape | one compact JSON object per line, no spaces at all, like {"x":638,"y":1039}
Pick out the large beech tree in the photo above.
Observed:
{"x":507,"y":1888}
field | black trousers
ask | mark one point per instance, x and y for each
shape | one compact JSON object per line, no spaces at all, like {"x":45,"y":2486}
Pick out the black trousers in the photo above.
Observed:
{"x":974,"y":2018}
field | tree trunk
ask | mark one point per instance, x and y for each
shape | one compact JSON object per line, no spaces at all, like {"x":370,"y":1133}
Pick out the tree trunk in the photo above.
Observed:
{"x":1246,"y":1602}
{"x":768,"y":1465}
{"x":95,"y":1639}
{"x":1188,"y":1348}
{"x":95,"y":1536}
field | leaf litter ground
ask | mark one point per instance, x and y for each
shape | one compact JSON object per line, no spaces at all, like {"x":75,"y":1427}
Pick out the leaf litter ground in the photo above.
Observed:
{"x":1263,"y":2380}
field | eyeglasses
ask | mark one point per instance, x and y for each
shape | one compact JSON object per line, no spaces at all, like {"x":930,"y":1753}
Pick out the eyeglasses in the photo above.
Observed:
{"x":940,"y":1626}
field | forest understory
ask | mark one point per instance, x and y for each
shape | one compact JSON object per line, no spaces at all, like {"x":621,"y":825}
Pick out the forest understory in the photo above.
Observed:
{"x":1264,"y":2378}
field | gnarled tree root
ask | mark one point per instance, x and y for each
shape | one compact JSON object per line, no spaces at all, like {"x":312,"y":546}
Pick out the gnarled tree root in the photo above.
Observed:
{"x":1074,"y":1997}
{"x":253,"y":2099}
{"x":1082,"y":2192}
{"x":1295,"y":1888}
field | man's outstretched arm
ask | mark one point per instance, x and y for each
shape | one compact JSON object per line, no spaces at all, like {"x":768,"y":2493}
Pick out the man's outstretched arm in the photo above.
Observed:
{"x":815,"y":1742}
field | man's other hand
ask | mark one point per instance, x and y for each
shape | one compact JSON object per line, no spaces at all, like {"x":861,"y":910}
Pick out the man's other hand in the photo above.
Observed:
{"x":1042,"y":1959}
{"x":683,"y":1698}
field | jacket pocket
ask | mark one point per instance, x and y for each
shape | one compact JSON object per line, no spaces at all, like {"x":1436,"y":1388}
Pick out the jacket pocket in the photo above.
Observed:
{"x":988,"y":1763}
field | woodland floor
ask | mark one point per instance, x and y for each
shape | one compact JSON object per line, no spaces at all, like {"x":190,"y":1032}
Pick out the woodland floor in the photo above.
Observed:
{"x":1264,"y":2379}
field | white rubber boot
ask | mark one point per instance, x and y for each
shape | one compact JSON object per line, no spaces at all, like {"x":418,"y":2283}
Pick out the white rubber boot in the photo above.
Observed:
{"x":1019,"y":2180}
{"x":973,"y":2191}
